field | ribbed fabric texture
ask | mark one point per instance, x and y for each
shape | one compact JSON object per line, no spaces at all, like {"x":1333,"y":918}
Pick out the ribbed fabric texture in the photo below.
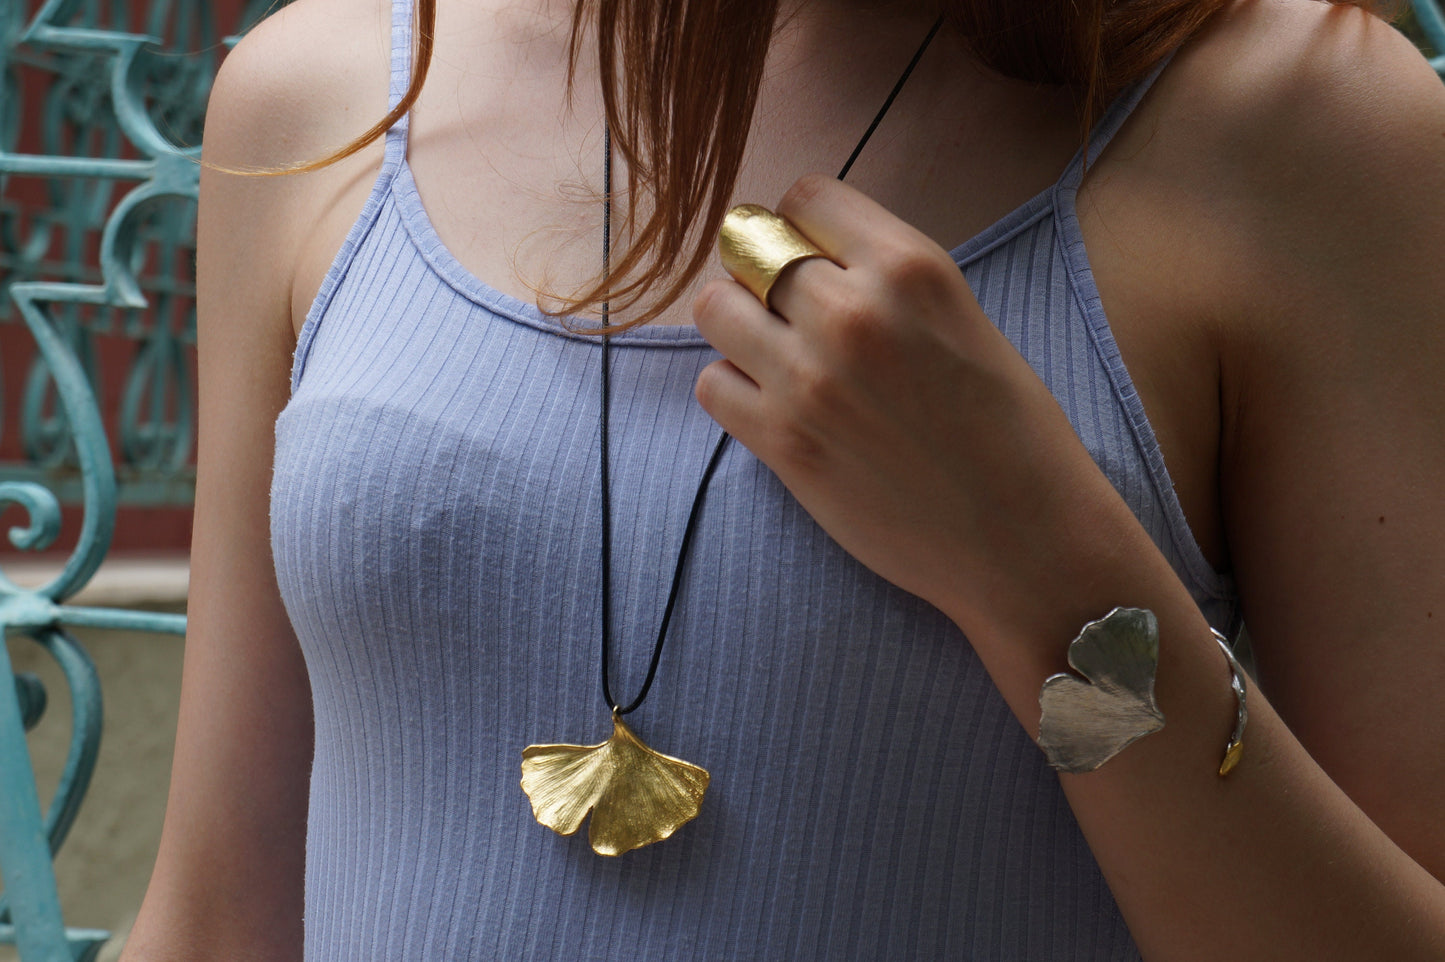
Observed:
{"x":435,"y":525}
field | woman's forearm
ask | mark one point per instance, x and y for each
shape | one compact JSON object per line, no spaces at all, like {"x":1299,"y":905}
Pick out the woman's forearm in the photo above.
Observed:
{"x":1273,"y":861}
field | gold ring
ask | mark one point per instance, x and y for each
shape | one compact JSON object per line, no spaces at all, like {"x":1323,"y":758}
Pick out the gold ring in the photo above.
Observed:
{"x":757,"y":245}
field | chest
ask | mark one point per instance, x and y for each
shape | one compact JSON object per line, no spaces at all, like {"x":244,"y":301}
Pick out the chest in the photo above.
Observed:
{"x":484,"y":208}
{"x":513,"y":398}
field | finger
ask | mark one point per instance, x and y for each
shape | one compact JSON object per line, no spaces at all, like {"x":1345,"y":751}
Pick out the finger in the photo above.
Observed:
{"x":742,"y":330}
{"x":846,"y":224}
{"x":731,"y":399}
{"x":807,"y":290}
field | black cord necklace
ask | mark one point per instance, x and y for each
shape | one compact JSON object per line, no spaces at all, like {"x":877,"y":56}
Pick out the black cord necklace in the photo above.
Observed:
{"x":636,"y":795}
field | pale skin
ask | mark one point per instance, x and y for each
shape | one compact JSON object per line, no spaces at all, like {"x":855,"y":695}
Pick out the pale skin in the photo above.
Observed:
{"x":1265,"y":237}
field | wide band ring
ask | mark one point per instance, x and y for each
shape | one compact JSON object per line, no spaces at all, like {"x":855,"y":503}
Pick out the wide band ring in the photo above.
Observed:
{"x":757,"y":245}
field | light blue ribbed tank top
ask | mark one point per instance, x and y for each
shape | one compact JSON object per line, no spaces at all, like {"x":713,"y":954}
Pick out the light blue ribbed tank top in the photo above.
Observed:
{"x":435,"y":529}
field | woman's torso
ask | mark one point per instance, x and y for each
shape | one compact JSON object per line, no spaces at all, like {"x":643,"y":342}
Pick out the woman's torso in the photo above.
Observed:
{"x":436,"y":493}
{"x":492,"y":141}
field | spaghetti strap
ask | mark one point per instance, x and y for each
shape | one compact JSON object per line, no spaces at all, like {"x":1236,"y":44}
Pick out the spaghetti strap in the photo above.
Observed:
{"x":394,"y":160}
{"x":1121,"y":109}
{"x":401,"y":31}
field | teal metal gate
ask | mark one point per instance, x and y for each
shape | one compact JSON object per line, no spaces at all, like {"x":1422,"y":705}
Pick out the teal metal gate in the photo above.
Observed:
{"x":113,"y":144}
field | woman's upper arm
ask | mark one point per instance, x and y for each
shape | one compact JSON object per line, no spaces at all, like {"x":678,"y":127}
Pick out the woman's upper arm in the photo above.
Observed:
{"x":1333,"y":456}
{"x":228,"y":881}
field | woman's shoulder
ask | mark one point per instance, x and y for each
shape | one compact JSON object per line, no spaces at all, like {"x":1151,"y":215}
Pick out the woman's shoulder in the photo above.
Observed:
{"x":1268,"y":82}
{"x":302,"y":82}
{"x":1301,"y":146}
{"x":305,"y":81}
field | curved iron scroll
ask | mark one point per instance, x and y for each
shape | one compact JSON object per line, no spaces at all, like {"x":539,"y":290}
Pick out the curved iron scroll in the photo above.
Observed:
{"x":121,"y":115}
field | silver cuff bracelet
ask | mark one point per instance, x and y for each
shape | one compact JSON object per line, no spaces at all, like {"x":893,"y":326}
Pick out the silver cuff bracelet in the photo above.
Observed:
{"x":1086,"y":721}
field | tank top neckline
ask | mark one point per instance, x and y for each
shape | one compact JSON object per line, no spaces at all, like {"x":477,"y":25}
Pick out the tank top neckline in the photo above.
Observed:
{"x":397,"y":178}
{"x":396,"y":189}
{"x":462,"y":280}
{"x":434,"y":251}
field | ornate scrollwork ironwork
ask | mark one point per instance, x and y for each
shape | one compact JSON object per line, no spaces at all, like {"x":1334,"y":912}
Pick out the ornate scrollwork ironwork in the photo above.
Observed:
{"x":119,"y":107}
{"x":111,"y":248}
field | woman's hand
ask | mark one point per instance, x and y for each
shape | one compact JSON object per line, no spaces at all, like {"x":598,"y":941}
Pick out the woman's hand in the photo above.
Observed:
{"x":922,"y":442}
{"x":899,"y":416}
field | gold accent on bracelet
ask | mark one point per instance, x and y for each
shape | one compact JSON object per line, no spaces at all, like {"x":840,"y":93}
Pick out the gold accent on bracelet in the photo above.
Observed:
{"x":1234,"y":751}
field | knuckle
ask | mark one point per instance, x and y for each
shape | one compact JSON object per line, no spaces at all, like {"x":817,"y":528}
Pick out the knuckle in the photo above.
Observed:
{"x":856,"y":324}
{"x":708,"y":386}
{"x":803,"y":192}
{"x":802,"y":373}
{"x":813,"y":388}
{"x":841,"y":305}
{"x":708,"y":303}
{"x":799,"y":448}
{"x":910,"y":265}
{"x":857,"y":329}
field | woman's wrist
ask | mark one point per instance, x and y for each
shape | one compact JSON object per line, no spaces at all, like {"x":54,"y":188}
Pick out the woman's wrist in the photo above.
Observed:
{"x":1081,"y":556}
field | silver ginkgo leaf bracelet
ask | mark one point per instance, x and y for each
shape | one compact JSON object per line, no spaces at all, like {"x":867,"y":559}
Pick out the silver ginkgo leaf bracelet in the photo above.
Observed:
{"x":1086,"y":721}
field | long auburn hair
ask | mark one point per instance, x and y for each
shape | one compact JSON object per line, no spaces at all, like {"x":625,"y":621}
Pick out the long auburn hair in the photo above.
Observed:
{"x":680,"y":80}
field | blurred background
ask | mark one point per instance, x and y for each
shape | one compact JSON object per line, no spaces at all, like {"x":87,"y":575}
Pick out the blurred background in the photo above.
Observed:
{"x":63,"y":99}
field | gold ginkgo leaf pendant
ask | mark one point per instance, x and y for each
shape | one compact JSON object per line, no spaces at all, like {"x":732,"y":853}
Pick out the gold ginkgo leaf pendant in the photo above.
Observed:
{"x":636,"y":796}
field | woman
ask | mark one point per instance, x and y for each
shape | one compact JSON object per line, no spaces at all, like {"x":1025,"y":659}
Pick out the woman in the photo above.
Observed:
{"x":1252,"y":217}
